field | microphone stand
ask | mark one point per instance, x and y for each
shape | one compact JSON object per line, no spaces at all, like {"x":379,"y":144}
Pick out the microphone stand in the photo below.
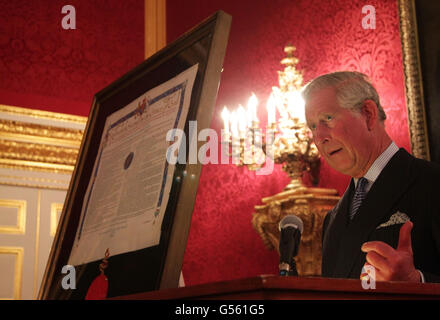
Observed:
{"x":293,"y":271}
{"x":288,"y":270}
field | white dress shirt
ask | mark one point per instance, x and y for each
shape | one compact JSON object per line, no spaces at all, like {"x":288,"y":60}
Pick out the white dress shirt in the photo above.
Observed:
{"x":378,"y":165}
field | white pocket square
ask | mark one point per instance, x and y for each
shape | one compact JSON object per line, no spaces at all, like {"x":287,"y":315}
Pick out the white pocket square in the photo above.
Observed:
{"x":396,"y":218}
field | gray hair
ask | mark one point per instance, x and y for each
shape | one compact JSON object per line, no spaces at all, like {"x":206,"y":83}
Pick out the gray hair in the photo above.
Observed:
{"x":352,"y":89}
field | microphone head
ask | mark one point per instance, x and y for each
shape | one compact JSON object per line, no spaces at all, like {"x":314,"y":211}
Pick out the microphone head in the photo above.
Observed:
{"x":291,"y":221}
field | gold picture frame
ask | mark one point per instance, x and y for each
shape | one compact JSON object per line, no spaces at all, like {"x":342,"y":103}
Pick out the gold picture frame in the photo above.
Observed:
{"x":415,"y":104}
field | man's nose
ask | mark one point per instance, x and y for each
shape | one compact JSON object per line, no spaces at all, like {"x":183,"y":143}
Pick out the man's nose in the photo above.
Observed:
{"x":321,"y":136}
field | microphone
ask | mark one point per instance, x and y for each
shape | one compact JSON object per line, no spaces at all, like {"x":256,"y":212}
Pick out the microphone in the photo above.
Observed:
{"x":291,"y":228}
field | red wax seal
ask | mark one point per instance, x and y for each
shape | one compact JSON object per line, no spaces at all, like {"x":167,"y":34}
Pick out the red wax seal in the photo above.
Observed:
{"x":98,"y":288}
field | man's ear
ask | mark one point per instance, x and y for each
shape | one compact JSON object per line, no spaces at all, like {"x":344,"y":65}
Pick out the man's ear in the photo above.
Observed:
{"x":370,"y":112}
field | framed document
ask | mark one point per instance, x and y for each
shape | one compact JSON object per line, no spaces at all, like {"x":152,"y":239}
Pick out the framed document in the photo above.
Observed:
{"x":126,"y":201}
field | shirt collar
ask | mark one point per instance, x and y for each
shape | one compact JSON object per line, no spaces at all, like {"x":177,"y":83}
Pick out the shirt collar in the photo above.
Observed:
{"x":380,"y":163}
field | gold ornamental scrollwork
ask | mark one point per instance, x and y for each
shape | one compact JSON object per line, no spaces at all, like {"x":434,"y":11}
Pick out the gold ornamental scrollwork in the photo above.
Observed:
{"x":17,"y":129}
{"x":49,"y":146}
{"x":42,"y":115}
{"x":309,"y":204}
{"x":37,"y":152}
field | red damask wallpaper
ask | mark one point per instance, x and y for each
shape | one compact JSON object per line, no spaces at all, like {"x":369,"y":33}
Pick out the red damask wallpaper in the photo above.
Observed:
{"x":328,"y":36}
{"x":45,"y":67}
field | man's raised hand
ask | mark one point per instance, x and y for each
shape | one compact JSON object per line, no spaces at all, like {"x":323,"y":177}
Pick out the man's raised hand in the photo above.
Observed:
{"x":393,"y":264}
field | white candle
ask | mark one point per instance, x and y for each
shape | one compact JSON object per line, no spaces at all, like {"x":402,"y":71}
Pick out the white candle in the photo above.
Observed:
{"x":225,"y":116}
{"x":234,"y":124}
{"x":242,"y":123}
{"x":271,"y":109}
{"x":252,"y":109}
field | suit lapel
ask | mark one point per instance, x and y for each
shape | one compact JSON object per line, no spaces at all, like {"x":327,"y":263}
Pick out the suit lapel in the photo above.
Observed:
{"x":382,"y":197}
{"x":335,"y":228}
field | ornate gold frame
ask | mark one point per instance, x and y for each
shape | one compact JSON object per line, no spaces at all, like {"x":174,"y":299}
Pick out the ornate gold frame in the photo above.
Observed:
{"x":40,"y":114}
{"x":34,"y":146}
{"x":418,"y":131}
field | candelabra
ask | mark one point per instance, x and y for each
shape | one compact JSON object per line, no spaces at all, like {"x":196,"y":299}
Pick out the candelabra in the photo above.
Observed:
{"x":286,"y":141}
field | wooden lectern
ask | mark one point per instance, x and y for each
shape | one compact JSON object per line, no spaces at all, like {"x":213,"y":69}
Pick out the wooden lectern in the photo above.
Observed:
{"x":270,"y":287}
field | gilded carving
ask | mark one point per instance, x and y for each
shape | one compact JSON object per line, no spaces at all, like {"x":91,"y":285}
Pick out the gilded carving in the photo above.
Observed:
{"x":35,"y":166}
{"x":38,"y":147}
{"x":66,"y":135}
{"x":37,"y":152}
{"x":413,"y":80}
{"x":40,"y":114}
{"x":309,"y":204}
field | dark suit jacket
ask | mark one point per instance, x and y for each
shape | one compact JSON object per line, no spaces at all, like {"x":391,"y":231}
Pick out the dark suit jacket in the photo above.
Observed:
{"x":406,"y":184}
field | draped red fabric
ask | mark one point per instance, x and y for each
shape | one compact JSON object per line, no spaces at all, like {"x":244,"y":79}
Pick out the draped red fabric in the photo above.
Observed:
{"x":329,"y":37}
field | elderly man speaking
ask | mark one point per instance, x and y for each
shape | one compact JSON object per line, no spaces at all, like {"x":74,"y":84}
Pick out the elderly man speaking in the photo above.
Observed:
{"x":389,"y":216}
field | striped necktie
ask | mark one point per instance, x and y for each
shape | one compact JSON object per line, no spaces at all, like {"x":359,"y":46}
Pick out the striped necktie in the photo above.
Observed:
{"x":359,"y":195}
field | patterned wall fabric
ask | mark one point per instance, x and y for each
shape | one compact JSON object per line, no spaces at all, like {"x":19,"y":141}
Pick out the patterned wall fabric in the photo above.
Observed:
{"x":328,"y":36}
{"x":45,"y":67}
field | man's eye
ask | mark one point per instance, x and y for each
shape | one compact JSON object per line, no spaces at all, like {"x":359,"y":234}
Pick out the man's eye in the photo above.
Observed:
{"x":329,"y":118}
{"x":312,"y":127}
